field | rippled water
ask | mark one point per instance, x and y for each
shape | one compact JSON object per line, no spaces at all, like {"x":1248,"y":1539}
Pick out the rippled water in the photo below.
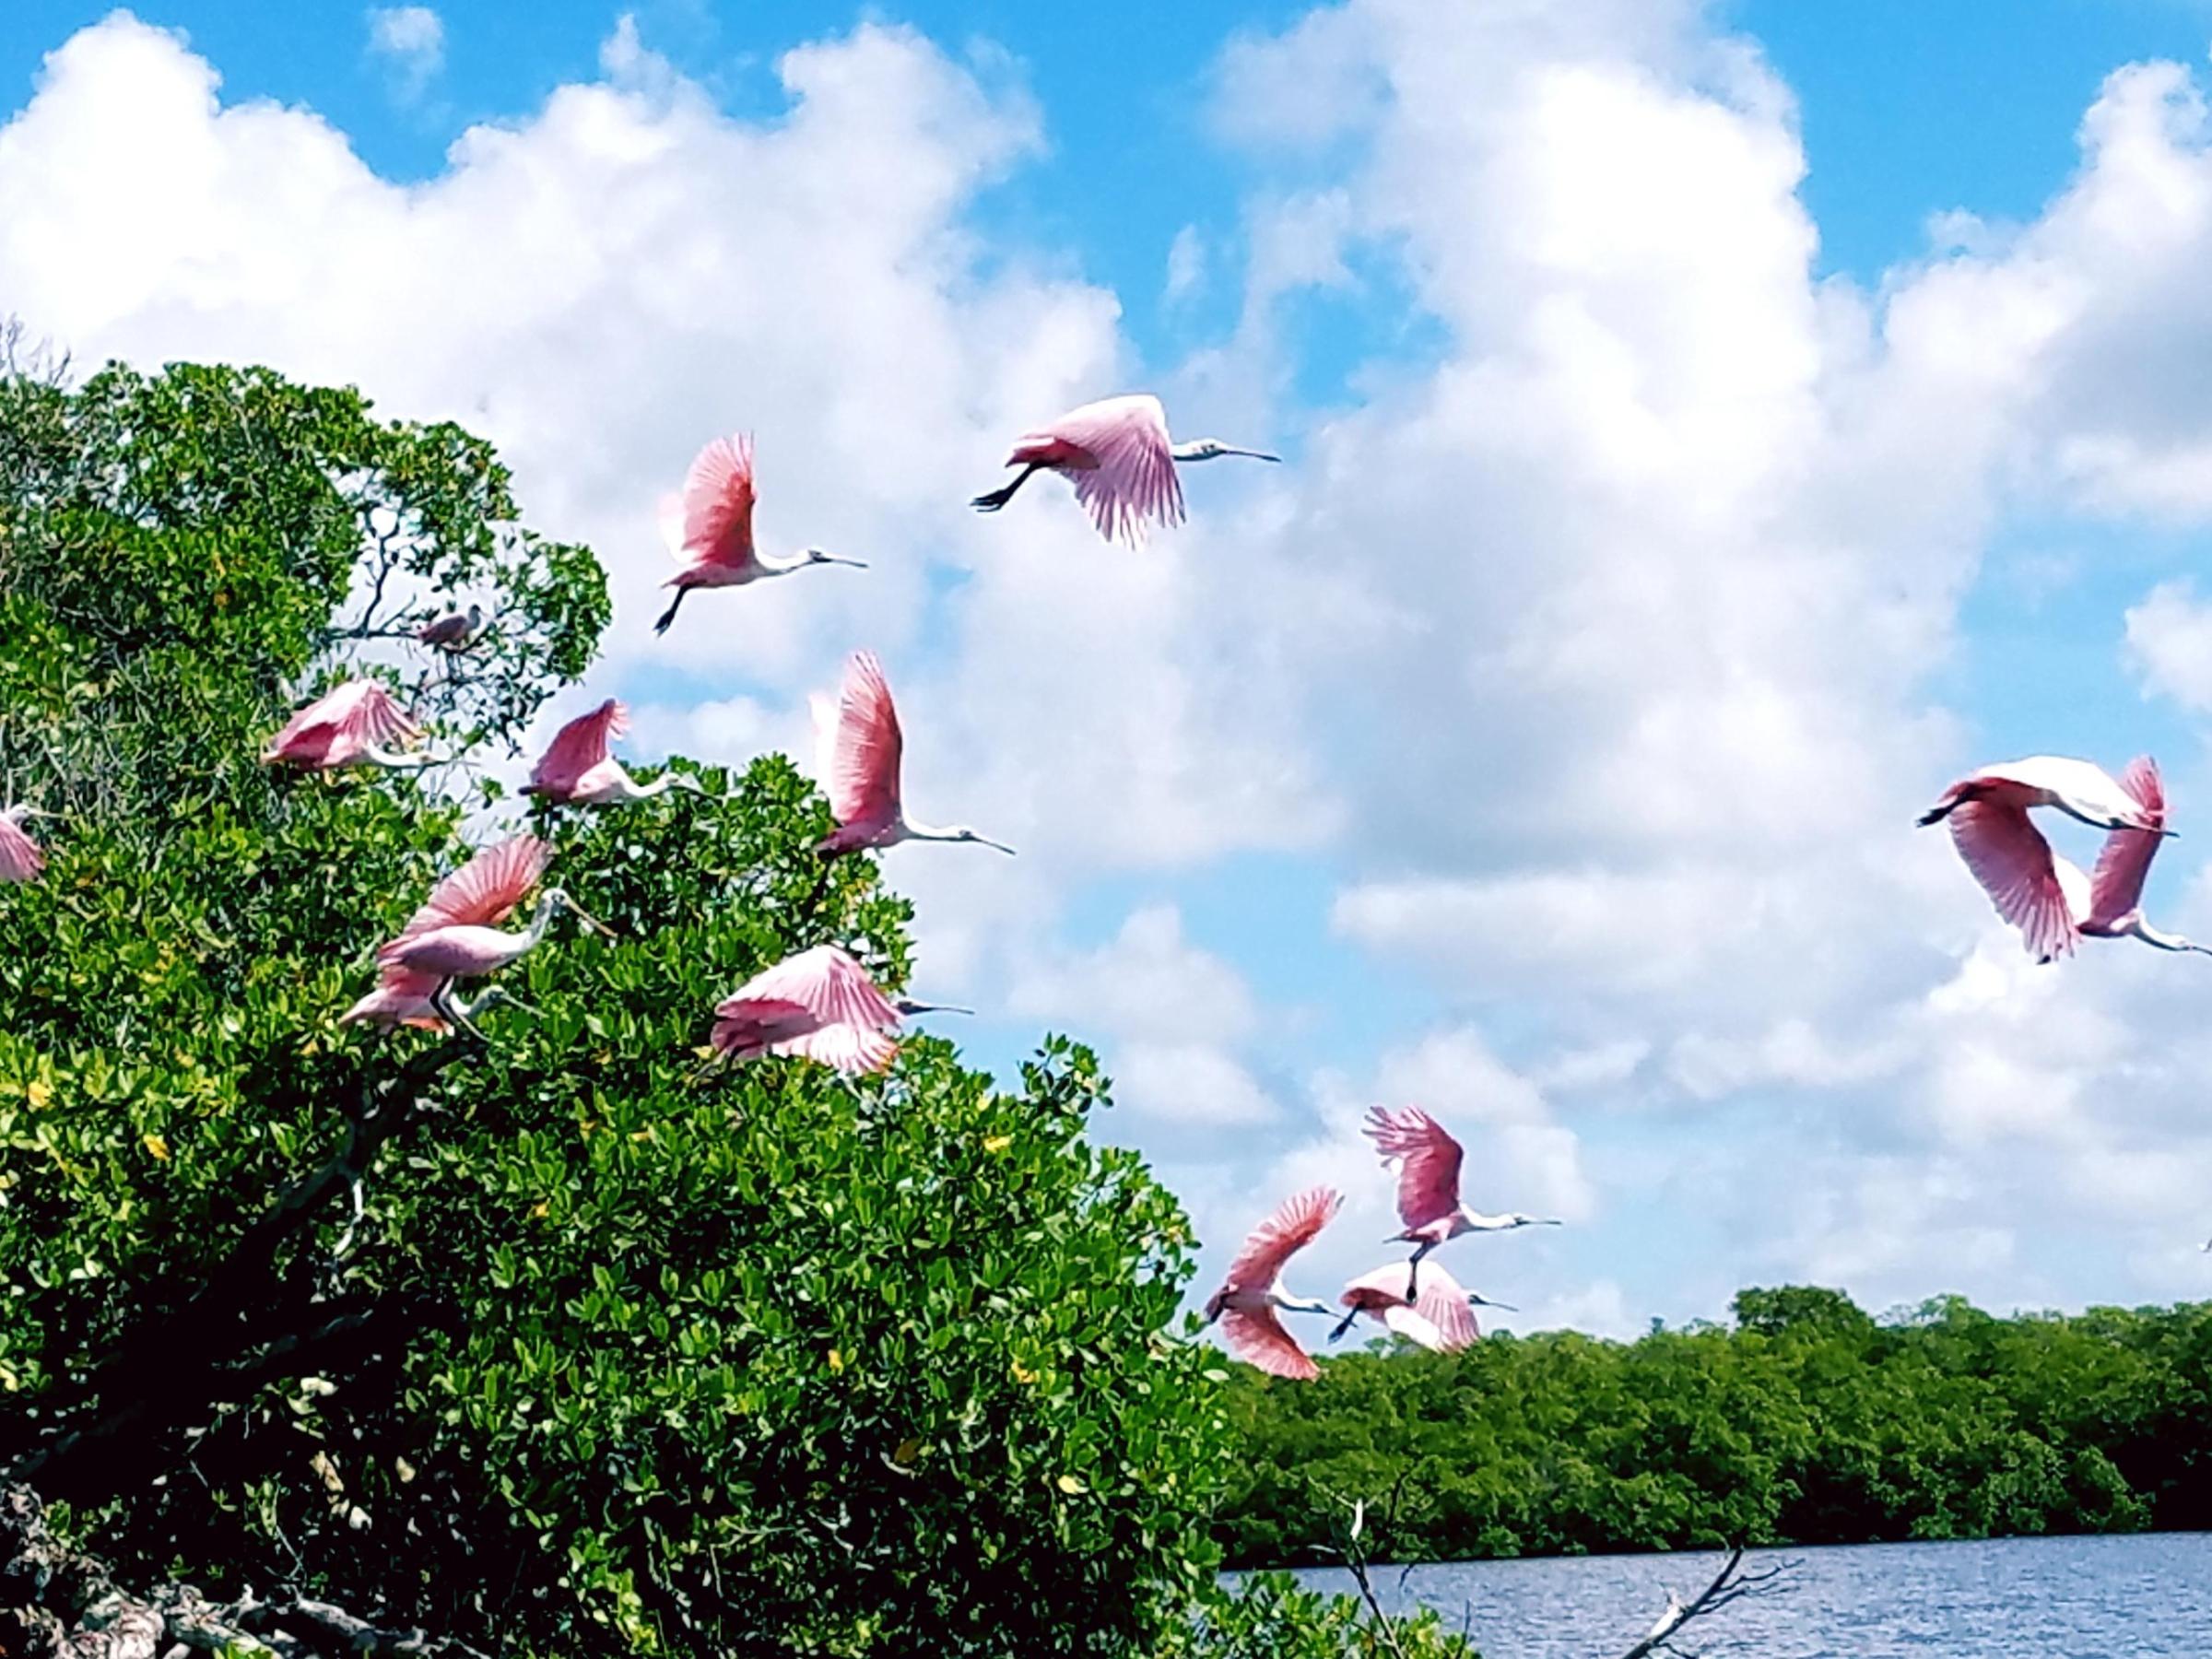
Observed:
{"x":2146,"y":1596}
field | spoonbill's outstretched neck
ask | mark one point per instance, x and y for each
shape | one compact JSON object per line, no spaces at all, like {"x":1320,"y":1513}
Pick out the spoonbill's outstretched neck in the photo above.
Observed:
{"x":857,"y":745}
{"x":452,"y":936}
{"x":819,"y":1004}
{"x":1440,"y":1319}
{"x":357,"y":721}
{"x":577,"y":771}
{"x":20,"y":859}
{"x":1118,"y":456}
{"x":1253,"y":1295}
{"x":2046,"y":897}
{"x":710,"y":527}
{"x":1428,"y":1205}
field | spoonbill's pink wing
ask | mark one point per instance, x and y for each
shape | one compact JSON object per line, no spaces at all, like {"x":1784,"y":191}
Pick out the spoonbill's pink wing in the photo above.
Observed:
{"x":335,"y":727}
{"x":1256,"y":1337}
{"x":1429,"y":1169}
{"x":376,"y":717}
{"x":1134,"y":482}
{"x":828,"y":984}
{"x":863,"y":779}
{"x":2116,"y":884}
{"x":718,"y":503}
{"x":1441,"y":1302}
{"x":848,"y":1048}
{"x":577,"y":748}
{"x":482,"y":892}
{"x":2012,"y":861}
{"x":747,"y":1023}
{"x":20,"y":859}
{"x":1281,"y":1236}
{"x":402,"y":997}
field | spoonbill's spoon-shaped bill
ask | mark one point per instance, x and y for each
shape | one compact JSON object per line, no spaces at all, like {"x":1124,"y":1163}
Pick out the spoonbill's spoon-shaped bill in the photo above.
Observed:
{"x":577,"y":770}
{"x":858,"y":747}
{"x":1117,"y":454}
{"x":20,"y":859}
{"x":1440,"y":1319}
{"x":1252,"y":1296}
{"x":819,"y":1004}
{"x":709,"y":527}
{"x":357,"y":721}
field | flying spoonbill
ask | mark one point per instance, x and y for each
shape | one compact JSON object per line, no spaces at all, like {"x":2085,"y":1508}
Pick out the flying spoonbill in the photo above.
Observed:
{"x":1118,"y":456}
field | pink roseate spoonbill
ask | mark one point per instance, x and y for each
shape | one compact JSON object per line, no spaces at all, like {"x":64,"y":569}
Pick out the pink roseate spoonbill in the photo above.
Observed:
{"x":710,"y":527}
{"x":1118,"y":456}
{"x":576,"y":769}
{"x":1429,"y":1160}
{"x":402,"y":997}
{"x":355,"y":721}
{"x":857,"y":748}
{"x":450,"y":938}
{"x":2008,"y":856}
{"x":1441,"y":1321}
{"x":1252,"y":1296}
{"x":2113,"y":907}
{"x":20,"y":859}
{"x":456,"y":631}
{"x":819,"y":1004}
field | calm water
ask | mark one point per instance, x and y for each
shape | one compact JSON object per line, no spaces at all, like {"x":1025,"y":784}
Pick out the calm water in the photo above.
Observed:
{"x":2142,"y":1598}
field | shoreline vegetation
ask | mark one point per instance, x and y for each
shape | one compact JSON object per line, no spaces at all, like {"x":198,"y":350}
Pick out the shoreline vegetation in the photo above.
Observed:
{"x":1805,"y":1421}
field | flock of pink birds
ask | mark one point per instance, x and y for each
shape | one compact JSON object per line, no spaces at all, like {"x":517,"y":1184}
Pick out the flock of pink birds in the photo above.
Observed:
{"x":820,"y":1003}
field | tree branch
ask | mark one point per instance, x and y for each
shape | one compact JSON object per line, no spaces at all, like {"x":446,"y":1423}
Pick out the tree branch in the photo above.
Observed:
{"x":1730,"y":1584}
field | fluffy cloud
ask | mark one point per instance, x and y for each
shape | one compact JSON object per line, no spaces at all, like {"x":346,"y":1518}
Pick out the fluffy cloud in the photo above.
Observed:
{"x":411,"y":40}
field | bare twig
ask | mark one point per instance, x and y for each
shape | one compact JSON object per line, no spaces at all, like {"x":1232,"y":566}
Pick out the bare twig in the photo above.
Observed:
{"x":1730,"y":1584}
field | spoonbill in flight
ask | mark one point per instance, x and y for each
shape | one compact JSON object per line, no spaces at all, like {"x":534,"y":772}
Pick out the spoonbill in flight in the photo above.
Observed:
{"x":576,"y":770}
{"x":1442,"y":1319}
{"x":456,"y":631}
{"x":710,"y":527}
{"x":356,"y":720}
{"x":2047,"y":897}
{"x":857,"y":748}
{"x":1429,"y":1161}
{"x":819,"y":1004}
{"x":1117,"y":454}
{"x":1252,"y":1296}
{"x":452,"y":936}
{"x":20,"y":859}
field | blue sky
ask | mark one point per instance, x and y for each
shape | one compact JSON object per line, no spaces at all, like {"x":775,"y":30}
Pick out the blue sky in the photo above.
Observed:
{"x":1670,"y":513}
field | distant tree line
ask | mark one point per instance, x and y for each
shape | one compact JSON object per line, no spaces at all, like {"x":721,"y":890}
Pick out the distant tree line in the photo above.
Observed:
{"x":1806,"y":1421}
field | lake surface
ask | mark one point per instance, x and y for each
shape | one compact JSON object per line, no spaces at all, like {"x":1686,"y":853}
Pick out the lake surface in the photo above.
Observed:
{"x":2146,"y":1596}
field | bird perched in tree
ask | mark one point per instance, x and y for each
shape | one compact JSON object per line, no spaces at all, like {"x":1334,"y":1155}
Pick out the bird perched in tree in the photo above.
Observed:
{"x":857,"y":748}
{"x":1428,"y":1203}
{"x":710,"y":527}
{"x":357,"y":721}
{"x":577,"y":770}
{"x":819,"y":1004}
{"x":455,"y":630}
{"x":1252,"y":1296}
{"x":2043,"y":893}
{"x":1117,"y":454}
